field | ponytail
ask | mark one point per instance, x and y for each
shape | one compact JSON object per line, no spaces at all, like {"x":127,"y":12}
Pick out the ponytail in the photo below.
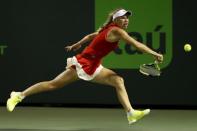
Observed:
{"x":109,"y":19}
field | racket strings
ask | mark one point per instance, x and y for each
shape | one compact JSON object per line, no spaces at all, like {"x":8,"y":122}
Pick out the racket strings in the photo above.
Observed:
{"x":151,"y":69}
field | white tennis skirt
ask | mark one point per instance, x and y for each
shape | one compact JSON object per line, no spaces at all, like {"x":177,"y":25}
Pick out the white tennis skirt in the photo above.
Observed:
{"x":80,"y":71}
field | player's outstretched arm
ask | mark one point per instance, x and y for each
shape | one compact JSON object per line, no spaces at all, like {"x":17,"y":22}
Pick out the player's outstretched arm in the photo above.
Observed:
{"x":85,"y":39}
{"x":139,"y":46}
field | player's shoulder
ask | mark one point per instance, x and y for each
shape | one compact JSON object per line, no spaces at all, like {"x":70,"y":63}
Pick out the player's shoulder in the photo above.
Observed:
{"x":115,"y":28}
{"x":118,"y":30}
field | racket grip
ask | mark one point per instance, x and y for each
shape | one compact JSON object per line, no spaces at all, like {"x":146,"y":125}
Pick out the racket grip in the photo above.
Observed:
{"x":157,"y":64}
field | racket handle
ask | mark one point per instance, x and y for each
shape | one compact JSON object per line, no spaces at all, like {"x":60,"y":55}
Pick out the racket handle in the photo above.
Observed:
{"x":157,"y":64}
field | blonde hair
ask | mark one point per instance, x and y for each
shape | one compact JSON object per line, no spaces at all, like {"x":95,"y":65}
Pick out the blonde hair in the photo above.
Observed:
{"x":109,"y":19}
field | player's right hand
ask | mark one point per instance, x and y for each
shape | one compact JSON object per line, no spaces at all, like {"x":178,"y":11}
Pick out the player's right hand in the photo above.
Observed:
{"x":73,"y":47}
{"x":159,"y":58}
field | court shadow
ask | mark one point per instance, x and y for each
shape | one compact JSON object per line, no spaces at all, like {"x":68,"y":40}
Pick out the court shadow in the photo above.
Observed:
{"x":45,"y":130}
{"x":93,"y":129}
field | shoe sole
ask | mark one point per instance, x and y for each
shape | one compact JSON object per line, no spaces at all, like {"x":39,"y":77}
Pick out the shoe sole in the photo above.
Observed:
{"x":131,"y":122}
{"x":7,"y":105}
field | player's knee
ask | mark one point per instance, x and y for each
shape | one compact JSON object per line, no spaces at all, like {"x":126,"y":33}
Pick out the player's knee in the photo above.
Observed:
{"x":118,"y":81}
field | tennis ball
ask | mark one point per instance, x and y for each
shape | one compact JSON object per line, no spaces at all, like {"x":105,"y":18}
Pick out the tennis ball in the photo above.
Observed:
{"x":187,"y":47}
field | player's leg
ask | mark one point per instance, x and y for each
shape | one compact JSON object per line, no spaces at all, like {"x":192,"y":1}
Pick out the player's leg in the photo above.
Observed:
{"x":61,"y":80}
{"x":109,"y":77}
{"x":66,"y":77}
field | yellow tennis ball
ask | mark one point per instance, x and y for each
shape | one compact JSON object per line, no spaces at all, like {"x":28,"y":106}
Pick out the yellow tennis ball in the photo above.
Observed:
{"x":187,"y":47}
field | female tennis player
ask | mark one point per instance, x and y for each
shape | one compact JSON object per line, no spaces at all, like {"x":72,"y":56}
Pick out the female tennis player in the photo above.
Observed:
{"x":87,"y":65}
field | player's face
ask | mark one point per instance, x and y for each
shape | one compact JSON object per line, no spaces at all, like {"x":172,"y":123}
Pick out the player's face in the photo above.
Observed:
{"x":123,"y":22}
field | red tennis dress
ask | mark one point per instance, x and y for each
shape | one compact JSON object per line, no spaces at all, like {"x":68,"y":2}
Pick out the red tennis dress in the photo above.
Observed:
{"x":88,"y":63}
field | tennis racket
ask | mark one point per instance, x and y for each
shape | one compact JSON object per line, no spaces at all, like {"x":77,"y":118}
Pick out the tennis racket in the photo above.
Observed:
{"x":151,"y":69}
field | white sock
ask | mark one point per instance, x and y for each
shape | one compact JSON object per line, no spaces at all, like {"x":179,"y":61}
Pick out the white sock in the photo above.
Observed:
{"x":130,"y":113}
{"x":21,"y":95}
